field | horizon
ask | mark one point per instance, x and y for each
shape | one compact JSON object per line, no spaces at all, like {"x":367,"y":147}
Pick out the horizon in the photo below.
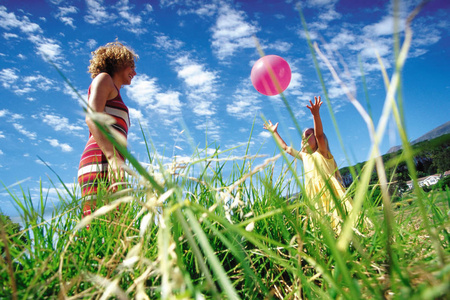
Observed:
{"x":422,"y":137}
{"x":194,"y":68}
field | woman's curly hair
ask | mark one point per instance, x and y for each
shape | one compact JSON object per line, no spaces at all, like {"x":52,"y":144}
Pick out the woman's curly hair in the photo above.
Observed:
{"x":111,"y":58}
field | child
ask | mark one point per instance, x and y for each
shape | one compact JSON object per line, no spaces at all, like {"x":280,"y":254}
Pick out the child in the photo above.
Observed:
{"x":322,"y":177}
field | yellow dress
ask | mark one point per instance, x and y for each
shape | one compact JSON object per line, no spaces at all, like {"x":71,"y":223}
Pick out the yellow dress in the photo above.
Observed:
{"x":318,"y":172}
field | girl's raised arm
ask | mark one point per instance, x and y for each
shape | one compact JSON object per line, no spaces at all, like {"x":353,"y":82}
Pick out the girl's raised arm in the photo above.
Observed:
{"x":318,"y":129}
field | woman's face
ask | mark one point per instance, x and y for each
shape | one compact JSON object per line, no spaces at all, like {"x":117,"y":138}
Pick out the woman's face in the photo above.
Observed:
{"x":127,"y":74}
{"x":310,"y":138}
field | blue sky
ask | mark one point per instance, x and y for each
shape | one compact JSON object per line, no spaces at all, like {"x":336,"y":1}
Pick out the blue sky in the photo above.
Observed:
{"x":194,"y":68}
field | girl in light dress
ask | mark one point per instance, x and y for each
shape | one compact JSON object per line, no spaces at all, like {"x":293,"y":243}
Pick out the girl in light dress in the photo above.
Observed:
{"x":323,"y":182}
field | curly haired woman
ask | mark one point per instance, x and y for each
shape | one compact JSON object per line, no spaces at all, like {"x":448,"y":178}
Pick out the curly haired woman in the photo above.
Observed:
{"x":111,"y":67}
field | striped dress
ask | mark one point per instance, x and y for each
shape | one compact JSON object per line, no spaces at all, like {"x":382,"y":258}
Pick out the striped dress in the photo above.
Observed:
{"x":93,"y":166}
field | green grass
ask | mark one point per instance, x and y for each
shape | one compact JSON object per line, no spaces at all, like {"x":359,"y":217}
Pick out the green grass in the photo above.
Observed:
{"x":195,"y":238}
{"x":195,"y":231}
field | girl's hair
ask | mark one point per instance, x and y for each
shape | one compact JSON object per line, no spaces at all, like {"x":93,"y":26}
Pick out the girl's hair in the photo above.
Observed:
{"x":111,"y":58}
{"x":326,"y":139}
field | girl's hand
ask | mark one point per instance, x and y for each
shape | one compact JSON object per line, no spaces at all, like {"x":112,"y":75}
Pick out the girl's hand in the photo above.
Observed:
{"x":315,"y":107}
{"x":271,"y":127}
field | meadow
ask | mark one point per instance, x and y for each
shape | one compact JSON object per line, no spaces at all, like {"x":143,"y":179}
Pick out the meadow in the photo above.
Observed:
{"x":188,"y":231}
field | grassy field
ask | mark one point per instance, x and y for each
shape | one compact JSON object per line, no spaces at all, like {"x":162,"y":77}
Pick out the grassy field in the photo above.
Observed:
{"x":196,"y":232}
{"x":226,"y":238}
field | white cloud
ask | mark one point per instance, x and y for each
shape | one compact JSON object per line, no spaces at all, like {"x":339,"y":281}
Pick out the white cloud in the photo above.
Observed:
{"x":168,"y":3}
{"x":39,"y":162}
{"x":336,"y":91}
{"x":91,"y":43}
{"x":384,"y":27}
{"x":231,"y":32}
{"x":417,"y":52}
{"x":2,"y":136}
{"x":68,"y":90}
{"x":265,"y":134}
{"x":125,"y":18}
{"x":23,"y":90}
{"x":143,"y":90}
{"x":137,"y":117}
{"x":165,"y":43}
{"x":68,"y":21}
{"x":201,"y":84}
{"x":11,"y":116}
{"x":148,"y":8}
{"x":424,"y":36}
{"x":194,"y":75}
{"x":329,"y":15}
{"x":374,"y":39}
{"x":59,"y":123}
{"x":281,"y":46}
{"x":132,"y":137}
{"x":39,"y":81}
{"x":47,"y":48}
{"x":326,"y":12}
{"x":63,"y":13}
{"x":205,"y":10}
{"x":167,"y":103}
{"x":97,"y":14}
{"x":371,"y":48}
{"x":7,"y":36}
{"x":16,"y":117}
{"x":8,"y":77}
{"x":319,"y":3}
{"x":130,"y":22}
{"x":245,"y":103}
{"x":9,"y":21}
{"x":210,"y":127}
{"x":295,"y":86}
{"x":22,"y":130}
{"x":342,"y":39}
{"x":146,"y":93}
{"x":55,"y":143}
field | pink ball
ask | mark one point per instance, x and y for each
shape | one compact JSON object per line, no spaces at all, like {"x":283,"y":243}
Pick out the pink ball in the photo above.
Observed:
{"x":271,"y":84}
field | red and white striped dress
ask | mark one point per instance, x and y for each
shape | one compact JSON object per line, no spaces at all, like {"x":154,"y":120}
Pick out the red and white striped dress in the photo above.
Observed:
{"x":93,"y":166}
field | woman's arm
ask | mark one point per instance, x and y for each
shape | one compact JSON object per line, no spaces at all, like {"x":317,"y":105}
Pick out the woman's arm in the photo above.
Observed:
{"x":289,"y":150}
{"x":318,"y":129}
{"x":102,"y":89}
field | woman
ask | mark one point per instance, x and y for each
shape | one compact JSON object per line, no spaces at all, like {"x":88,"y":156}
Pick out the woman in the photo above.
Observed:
{"x":323,"y":181}
{"x":112,"y":66}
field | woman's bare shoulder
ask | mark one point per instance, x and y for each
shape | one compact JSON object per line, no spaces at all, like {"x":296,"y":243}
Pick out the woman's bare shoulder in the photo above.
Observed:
{"x":103,"y":84}
{"x":102,"y":79}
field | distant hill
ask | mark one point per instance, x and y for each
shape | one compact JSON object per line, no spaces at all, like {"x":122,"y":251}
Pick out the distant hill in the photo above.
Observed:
{"x":431,"y":156}
{"x":438,"y":131}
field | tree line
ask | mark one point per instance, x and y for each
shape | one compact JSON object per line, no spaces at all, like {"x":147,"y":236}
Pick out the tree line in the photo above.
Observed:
{"x":430,"y":157}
